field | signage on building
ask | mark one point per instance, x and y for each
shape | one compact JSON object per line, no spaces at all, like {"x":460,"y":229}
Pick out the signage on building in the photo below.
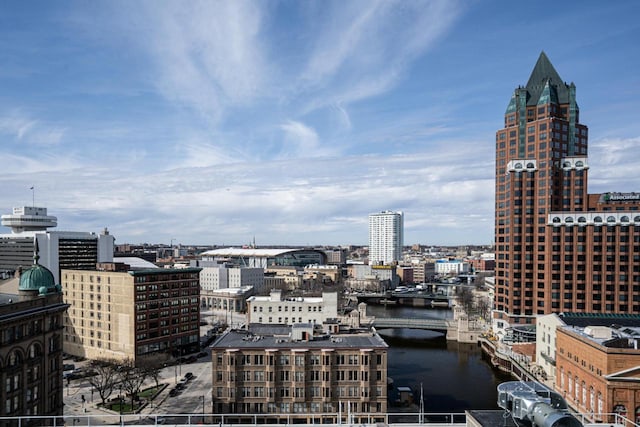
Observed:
{"x":620,"y":197}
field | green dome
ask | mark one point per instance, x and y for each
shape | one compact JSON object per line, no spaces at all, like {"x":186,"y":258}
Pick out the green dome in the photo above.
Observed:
{"x":35,"y":278}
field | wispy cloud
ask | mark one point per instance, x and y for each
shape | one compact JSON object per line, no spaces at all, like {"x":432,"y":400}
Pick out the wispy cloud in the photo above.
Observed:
{"x":364,"y":47}
{"x":209,"y":55}
{"x":27,"y":130}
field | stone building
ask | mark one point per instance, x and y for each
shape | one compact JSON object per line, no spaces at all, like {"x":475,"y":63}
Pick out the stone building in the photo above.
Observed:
{"x":31,"y":347}
{"x":131,"y":314}
{"x":301,"y":371}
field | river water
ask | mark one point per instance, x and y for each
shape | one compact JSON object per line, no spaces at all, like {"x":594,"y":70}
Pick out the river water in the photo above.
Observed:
{"x":454,"y":376}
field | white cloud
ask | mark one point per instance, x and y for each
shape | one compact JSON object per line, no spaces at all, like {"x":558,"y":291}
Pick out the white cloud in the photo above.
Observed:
{"x":209,"y":54}
{"x":300,"y":140}
{"x":30,"y":131}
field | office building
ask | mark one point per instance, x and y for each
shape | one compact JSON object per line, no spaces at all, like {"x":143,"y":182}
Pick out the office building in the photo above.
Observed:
{"x":558,"y":248}
{"x":386,"y":237}
{"x":31,"y":346}
{"x":302,"y":371}
{"x":119,"y":313}
{"x":57,"y":249}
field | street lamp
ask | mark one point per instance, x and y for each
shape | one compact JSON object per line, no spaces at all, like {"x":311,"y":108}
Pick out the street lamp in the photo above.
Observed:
{"x":202,"y":408}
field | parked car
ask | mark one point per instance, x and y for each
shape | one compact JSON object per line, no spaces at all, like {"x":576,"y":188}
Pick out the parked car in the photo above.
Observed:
{"x":202,"y":354}
{"x":188,"y":375}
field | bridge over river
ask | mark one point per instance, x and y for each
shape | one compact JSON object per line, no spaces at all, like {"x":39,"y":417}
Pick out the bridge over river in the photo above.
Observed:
{"x":440,"y":325}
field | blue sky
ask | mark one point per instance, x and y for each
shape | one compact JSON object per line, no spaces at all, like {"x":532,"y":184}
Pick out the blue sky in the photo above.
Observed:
{"x":214,"y":122}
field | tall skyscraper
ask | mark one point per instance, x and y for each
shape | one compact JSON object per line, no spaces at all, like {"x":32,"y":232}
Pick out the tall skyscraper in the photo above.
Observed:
{"x":558,"y":248}
{"x":386,"y":237}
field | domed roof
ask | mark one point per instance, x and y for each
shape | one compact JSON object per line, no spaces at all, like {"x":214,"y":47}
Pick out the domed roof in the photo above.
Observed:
{"x":35,"y":278}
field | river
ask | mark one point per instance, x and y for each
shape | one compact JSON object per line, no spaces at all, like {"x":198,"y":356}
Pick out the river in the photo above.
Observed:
{"x":454,"y":376}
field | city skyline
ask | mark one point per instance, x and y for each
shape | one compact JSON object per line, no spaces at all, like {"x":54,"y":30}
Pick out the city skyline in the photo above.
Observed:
{"x":214,"y":123}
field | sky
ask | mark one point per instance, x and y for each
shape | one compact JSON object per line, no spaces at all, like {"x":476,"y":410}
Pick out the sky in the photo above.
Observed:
{"x":289,"y":122}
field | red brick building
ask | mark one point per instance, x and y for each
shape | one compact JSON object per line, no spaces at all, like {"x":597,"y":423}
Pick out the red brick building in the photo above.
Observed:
{"x":558,"y":248}
{"x":598,"y":370}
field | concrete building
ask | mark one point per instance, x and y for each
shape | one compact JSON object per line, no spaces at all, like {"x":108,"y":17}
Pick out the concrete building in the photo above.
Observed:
{"x":302,"y":371}
{"x":215,"y":277}
{"x":599,"y":370}
{"x":558,"y":248}
{"x":447,"y":267}
{"x":386,"y":237}
{"x":277,"y":309}
{"x":31,"y":318}
{"x":336,"y":256}
{"x":57,"y":249}
{"x":121,"y":313}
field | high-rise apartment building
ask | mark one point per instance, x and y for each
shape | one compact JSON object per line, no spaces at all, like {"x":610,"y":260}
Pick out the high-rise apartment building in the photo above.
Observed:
{"x":558,"y":248}
{"x":386,"y":237}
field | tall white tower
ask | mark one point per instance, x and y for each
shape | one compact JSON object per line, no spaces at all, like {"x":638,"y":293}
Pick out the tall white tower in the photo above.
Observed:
{"x":386,"y":237}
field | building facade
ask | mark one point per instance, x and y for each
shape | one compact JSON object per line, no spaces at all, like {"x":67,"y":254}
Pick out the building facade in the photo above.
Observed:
{"x":300,"y":372}
{"x":386,"y":237}
{"x":31,"y":348}
{"x":126,"y":314}
{"x":598,"y":370}
{"x":277,"y":309}
{"x":57,"y":249}
{"x":558,"y":248}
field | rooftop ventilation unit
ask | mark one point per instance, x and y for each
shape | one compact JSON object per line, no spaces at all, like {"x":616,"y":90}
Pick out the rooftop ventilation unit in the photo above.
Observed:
{"x":533,"y":404}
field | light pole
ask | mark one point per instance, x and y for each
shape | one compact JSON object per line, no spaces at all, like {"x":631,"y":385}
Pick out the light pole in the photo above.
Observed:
{"x":202,"y":408}
{"x":120,"y":396}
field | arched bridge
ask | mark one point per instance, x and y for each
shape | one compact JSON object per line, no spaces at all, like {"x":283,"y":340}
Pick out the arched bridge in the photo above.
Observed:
{"x":397,"y":323}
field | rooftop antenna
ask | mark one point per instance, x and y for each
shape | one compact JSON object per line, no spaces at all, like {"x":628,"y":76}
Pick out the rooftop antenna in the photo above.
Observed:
{"x":33,"y":196}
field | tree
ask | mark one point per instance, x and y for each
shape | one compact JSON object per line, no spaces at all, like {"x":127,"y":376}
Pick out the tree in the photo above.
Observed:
{"x":464,"y":296}
{"x":152,"y":367}
{"x":106,"y":377}
{"x":131,"y":378}
{"x":484,"y":308}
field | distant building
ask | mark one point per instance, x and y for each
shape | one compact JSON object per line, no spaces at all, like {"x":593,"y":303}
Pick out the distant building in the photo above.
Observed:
{"x":263,"y":258}
{"x":598,"y":370}
{"x":57,"y":249}
{"x":386,"y":237}
{"x":405,"y":274}
{"x":451,"y":267}
{"x":336,"y":256}
{"x":302,"y":371}
{"x":278,"y":309}
{"x":31,"y":319}
{"x":423,"y":271}
{"x":120,"y":313}
{"x":215,"y":276}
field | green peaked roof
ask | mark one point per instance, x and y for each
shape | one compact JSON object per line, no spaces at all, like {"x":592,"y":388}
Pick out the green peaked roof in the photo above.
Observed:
{"x":545,"y":80}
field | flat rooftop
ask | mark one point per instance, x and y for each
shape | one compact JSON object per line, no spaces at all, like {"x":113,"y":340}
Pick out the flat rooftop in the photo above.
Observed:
{"x":236,"y":339}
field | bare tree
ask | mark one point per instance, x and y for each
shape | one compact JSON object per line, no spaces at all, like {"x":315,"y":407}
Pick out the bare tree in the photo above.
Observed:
{"x":106,"y":377}
{"x":483,"y":306}
{"x":152,"y":367}
{"x":131,"y":378}
{"x":464,"y":296}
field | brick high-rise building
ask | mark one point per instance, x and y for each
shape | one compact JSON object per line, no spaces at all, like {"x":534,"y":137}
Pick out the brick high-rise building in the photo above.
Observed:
{"x":558,"y":248}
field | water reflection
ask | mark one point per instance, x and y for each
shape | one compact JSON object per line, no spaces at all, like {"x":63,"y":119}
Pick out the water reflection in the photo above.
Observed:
{"x":454,"y":376}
